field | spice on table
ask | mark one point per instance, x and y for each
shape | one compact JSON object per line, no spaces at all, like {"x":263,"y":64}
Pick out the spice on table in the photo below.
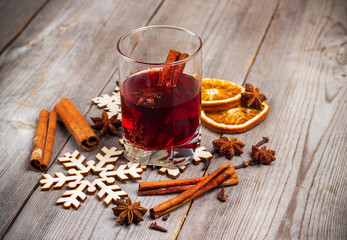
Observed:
{"x":251,"y":98}
{"x":128,"y":213}
{"x":106,"y":124}
{"x":207,"y":164}
{"x":245,"y":164}
{"x":259,"y":156}
{"x":222,"y":196}
{"x":166,"y":216}
{"x":201,"y":154}
{"x":263,"y":155}
{"x":263,"y":141}
{"x":76,"y":124}
{"x":177,"y":185}
{"x":43,"y":141}
{"x":228,"y":148}
{"x":214,"y":180}
{"x":155,"y":226}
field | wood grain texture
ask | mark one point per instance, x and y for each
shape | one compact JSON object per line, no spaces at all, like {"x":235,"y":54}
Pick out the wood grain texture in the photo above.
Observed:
{"x":15,"y":16}
{"x":302,"y":68}
{"x":66,"y":51}
{"x":93,"y":220}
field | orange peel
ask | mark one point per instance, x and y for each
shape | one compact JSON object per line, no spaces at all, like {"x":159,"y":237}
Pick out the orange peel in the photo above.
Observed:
{"x":234,"y":120}
{"x":217,"y":94}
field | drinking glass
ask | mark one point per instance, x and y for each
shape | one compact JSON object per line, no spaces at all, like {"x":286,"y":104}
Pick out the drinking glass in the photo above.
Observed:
{"x":160,"y":100}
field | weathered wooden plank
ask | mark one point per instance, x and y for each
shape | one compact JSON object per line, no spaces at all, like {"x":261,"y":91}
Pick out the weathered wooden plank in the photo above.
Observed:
{"x":68,"y":50}
{"x":302,"y":68}
{"x":93,"y":219}
{"x":15,"y":15}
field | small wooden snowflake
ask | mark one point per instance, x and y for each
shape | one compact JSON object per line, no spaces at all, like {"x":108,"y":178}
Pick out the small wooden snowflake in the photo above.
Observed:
{"x":111,"y":104}
{"x":201,"y":154}
{"x":171,"y":172}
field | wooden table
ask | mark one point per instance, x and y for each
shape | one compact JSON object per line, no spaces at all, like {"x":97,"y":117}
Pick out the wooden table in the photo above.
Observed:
{"x":295,"y":51}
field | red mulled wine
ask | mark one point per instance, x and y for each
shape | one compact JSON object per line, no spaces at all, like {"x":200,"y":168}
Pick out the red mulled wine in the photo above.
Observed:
{"x":160,"y":117}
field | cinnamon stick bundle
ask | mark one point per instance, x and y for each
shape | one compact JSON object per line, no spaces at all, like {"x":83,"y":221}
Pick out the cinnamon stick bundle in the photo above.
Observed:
{"x":43,"y":141}
{"x":215,"y":179}
{"x":171,"y":74}
{"x":177,"y":185}
{"x":76,"y":124}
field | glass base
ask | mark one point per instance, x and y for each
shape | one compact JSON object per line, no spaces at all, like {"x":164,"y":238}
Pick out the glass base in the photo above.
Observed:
{"x":172,"y":157}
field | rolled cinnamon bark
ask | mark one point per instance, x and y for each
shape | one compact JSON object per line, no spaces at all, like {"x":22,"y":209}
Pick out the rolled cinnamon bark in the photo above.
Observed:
{"x":76,"y":124}
{"x":39,"y":141}
{"x":43,"y":141}
{"x":178,"y":70}
{"x":168,"y":71}
{"x":49,"y":144}
{"x":177,"y":185}
{"x":171,"y":74}
{"x":160,"y":191}
{"x":215,"y":179}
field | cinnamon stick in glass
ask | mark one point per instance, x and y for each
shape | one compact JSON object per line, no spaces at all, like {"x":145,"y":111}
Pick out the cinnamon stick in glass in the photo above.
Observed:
{"x":171,"y":74}
{"x":76,"y":124}
{"x":43,"y":141}
{"x":178,"y":70}
{"x":215,"y":179}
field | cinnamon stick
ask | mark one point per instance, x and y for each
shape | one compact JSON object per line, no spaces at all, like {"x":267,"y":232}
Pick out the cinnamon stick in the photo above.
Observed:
{"x":160,"y":191}
{"x":52,"y":125}
{"x":143,"y":186}
{"x":39,"y":141}
{"x":43,"y":141}
{"x":171,"y":74}
{"x":76,"y":124}
{"x":215,"y":179}
{"x":178,"y":70}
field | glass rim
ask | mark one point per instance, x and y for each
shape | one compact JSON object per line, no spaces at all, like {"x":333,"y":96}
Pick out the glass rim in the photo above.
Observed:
{"x":141,"y":29}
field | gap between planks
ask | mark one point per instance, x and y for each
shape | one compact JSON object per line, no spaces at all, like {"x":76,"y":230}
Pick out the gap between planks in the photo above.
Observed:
{"x":22,"y":28}
{"x":185,"y":217}
{"x":116,"y":68}
{"x":20,"y":210}
{"x":259,"y":45}
{"x":261,"y":41}
{"x":32,"y":192}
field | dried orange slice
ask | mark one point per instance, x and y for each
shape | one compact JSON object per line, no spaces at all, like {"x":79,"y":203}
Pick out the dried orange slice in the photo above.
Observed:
{"x":234,"y":120}
{"x":217,"y":94}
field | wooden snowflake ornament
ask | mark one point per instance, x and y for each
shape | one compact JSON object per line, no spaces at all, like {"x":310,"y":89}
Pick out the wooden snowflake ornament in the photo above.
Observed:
{"x":104,"y":184}
{"x":132,"y":170}
{"x":72,"y":197}
{"x":172,"y":172}
{"x":111,"y":104}
{"x":201,"y":154}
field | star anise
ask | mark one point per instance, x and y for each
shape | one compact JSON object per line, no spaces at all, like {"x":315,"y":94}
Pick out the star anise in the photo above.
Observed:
{"x":228,"y":148}
{"x":251,"y":98}
{"x":106,"y":124}
{"x":148,"y":95}
{"x":128,"y":213}
{"x":263,"y":155}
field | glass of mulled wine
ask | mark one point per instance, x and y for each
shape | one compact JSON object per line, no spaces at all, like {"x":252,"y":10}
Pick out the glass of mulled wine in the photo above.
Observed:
{"x":160,"y":87}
